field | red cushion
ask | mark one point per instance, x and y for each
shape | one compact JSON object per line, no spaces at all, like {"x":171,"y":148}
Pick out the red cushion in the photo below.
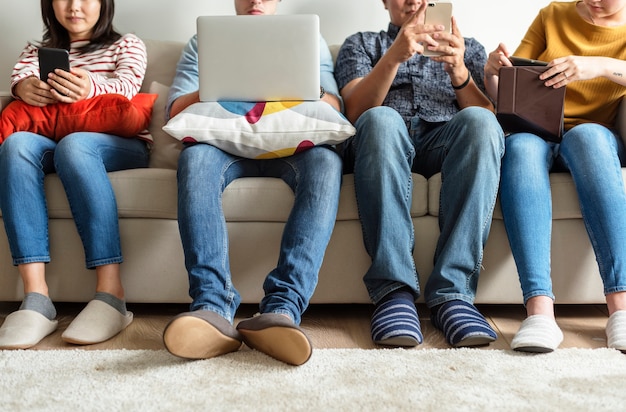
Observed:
{"x":107,"y":113}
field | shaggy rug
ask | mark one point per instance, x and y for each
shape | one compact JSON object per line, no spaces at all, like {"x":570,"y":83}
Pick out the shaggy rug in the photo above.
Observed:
{"x":333,"y":380}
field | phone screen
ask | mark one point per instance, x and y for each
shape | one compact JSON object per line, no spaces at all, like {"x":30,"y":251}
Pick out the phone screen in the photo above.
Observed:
{"x":438,"y":13}
{"x":50,"y":59}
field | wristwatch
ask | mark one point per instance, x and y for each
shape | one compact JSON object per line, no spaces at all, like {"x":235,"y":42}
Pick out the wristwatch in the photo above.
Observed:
{"x":322,"y":92}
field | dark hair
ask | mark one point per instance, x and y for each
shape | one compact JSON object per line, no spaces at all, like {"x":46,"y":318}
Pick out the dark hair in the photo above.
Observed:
{"x":55,"y":35}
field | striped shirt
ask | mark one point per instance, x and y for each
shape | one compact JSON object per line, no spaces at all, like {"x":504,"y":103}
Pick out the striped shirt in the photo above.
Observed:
{"x":119,"y":68}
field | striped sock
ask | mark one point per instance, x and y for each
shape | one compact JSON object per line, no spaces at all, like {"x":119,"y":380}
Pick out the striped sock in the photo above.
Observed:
{"x":462,"y":324}
{"x":395,"y":321}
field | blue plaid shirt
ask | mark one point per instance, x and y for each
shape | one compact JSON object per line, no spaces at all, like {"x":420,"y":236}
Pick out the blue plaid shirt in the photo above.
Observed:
{"x":421,"y":88}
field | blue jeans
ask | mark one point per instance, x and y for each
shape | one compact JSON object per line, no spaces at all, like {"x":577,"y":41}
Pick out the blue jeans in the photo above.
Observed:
{"x":203,"y":173}
{"x":467,"y":151}
{"x":82,"y":161}
{"x":591,"y":153}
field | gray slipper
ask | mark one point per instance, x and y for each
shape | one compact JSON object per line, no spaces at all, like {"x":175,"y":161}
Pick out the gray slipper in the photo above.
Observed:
{"x":200,"y":334}
{"x":277,"y":336}
{"x":96,"y":323}
{"x":24,"y":329}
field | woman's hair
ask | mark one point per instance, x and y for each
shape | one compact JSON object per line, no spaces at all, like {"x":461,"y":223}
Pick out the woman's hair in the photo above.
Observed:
{"x":57,"y":36}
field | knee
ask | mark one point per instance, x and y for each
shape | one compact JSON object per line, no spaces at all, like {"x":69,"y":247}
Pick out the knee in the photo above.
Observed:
{"x":526,"y":152}
{"x":380,"y":130}
{"x":323,"y":164}
{"x":20,"y":145}
{"x":480,"y":130}
{"x":587,"y":136}
{"x":69,"y":148}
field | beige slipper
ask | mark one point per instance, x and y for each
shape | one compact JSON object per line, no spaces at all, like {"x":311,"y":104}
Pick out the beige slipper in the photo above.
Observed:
{"x":97,"y":323}
{"x":200,"y":334}
{"x":616,"y":331}
{"x":277,"y":336}
{"x":24,"y":329}
{"x":537,"y":334}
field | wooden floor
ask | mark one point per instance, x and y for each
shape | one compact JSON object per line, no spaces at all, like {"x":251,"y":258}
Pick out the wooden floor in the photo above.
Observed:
{"x":337,"y":326}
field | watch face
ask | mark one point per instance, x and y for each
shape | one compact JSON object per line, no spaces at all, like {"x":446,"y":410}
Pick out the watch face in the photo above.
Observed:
{"x":322,"y":92}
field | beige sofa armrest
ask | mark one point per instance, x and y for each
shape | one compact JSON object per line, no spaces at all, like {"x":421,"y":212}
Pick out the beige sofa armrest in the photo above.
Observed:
{"x":5,"y":98}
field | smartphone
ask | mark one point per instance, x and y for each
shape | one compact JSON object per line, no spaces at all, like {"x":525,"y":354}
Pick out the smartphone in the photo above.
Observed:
{"x":439,"y":12}
{"x":50,"y":59}
{"x":520,"y":61}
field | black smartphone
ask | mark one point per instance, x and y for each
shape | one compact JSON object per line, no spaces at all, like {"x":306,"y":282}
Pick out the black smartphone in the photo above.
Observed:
{"x":50,"y":59}
{"x":520,"y":61}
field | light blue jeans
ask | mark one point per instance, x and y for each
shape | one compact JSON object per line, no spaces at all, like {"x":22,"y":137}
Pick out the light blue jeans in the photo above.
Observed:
{"x":82,"y":161}
{"x":467,"y":151}
{"x":591,"y":153}
{"x":203,"y":173}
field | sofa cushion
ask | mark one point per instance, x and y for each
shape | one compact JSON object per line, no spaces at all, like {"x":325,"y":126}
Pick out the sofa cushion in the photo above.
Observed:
{"x":565,"y":203}
{"x":106,"y":113}
{"x":261,"y":130}
{"x":165,"y":149}
{"x":140,"y":193}
{"x":163,"y":58}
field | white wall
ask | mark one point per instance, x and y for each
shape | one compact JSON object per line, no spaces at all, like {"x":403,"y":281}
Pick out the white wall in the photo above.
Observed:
{"x":489,"y":21}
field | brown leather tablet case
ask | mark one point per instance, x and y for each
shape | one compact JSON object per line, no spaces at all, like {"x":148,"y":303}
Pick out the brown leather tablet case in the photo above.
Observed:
{"x":525,"y":104}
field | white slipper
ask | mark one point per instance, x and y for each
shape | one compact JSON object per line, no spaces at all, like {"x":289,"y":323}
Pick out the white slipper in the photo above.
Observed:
{"x":98,"y":322}
{"x":616,"y":331}
{"x":24,"y":329}
{"x":539,"y":334}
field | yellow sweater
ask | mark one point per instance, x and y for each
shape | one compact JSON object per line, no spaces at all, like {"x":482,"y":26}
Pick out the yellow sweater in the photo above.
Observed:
{"x":559,"y":31}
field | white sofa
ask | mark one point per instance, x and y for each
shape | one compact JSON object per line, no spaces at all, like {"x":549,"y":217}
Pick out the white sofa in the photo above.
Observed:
{"x":256,"y":209}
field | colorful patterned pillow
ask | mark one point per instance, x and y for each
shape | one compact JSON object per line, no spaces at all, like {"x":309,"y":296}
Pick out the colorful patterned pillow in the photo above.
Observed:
{"x":262,"y":130}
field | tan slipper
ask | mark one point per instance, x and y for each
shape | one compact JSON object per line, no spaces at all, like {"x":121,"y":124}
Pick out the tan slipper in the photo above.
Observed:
{"x":96,"y":323}
{"x":24,"y":329}
{"x":277,"y":336}
{"x":200,"y":334}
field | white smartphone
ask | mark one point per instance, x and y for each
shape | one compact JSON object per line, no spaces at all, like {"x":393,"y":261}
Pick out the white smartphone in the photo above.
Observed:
{"x":438,"y":12}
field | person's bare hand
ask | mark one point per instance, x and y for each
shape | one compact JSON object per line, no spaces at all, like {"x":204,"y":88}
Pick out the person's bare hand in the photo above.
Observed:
{"x":496,"y":59}
{"x":413,"y":36}
{"x":69,"y":87}
{"x":453,"y":49}
{"x":34,"y":92}
{"x":565,"y":70}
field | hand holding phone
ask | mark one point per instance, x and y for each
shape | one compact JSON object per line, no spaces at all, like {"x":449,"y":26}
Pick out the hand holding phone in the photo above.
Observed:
{"x":51,"y":59}
{"x":438,"y":13}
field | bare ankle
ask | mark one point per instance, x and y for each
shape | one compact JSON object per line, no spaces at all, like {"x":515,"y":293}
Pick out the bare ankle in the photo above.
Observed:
{"x":540,"y":305}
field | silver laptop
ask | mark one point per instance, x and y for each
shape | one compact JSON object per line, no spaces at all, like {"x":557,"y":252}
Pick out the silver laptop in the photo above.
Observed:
{"x":259,"y":58}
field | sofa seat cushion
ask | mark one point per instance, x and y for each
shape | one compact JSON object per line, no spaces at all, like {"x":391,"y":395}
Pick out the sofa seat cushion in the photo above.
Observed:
{"x":152,"y":193}
{"x":565,"y":203}
{"x":140,"y":193}
{"x":273,"y":199}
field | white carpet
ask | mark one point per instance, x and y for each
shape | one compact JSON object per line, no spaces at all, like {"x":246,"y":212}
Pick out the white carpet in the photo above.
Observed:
{"x":333,"y":380}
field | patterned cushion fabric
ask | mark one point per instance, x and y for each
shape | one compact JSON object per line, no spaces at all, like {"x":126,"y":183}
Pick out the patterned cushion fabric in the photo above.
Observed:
{"x":262,"y":130}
